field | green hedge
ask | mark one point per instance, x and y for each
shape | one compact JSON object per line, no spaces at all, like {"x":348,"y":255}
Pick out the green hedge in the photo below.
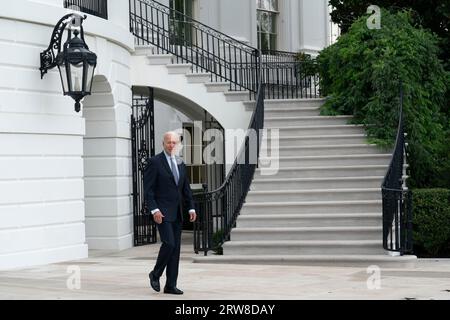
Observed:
{"x":361,"y":75}
{"x":431,"y":222}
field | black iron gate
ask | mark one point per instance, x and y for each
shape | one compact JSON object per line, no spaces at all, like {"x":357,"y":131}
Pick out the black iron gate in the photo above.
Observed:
{"x":142,"y":147}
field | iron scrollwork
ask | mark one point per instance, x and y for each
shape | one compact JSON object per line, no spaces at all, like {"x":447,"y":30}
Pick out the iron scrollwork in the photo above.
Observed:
{"x":48,"y":56}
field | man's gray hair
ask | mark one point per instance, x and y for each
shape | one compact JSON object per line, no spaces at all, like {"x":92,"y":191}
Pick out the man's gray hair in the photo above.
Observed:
{"x":171,"y":133}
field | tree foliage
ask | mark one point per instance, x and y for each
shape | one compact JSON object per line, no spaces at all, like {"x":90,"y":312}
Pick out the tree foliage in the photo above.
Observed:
{"x":361,"y":74}
{"x":430,"y":14}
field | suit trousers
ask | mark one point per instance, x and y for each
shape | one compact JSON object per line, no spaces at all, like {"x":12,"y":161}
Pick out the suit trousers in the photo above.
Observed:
{"x":169,"y":253}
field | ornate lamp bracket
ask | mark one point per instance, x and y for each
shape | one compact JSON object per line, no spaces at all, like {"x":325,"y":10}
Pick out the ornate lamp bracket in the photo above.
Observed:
{"x":48,"y":56}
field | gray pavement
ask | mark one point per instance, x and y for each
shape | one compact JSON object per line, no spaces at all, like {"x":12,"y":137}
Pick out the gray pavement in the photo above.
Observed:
{"x":124,"y":275}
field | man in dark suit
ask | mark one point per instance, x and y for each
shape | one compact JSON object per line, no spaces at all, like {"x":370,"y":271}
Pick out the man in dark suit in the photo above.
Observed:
{"x":167,"y":193}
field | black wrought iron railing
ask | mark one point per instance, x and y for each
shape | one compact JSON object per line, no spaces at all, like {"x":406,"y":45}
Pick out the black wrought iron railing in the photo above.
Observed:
{"x":97,"y":8}
{"x":291,"y":80}
{"x":219,"y":209}
{"x":226,"y":59}
{"x":278,"y":56}
{"x":286,"y":76}
{"x":397,"y":199}
{"x":190,"y":41}
{"x":142,"y":147}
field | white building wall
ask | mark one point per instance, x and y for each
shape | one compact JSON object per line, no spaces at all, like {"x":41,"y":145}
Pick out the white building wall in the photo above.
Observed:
{"x":302,"y":24}
{"x":43,"y":217}
{"x":314,"y":29}
{"x":166,"y":119}
{"x":65,"y":177}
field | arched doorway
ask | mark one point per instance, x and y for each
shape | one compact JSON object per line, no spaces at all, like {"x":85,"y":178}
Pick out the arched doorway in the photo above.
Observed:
{"x":202,"y":176}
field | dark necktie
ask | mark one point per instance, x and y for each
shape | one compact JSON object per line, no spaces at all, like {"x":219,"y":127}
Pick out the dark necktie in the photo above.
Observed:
{"x":174,"y":170}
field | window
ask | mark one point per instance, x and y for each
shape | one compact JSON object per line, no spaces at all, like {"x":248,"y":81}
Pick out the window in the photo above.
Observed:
{"x":181,"y":30}
{"x":97,"y":8}
{"x":267,"y":12}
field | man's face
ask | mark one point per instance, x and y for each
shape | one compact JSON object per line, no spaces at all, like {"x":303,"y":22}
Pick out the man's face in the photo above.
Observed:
{"x":170,"y":144}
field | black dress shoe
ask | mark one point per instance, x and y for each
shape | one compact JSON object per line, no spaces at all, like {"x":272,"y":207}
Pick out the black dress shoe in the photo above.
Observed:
{"x":172,"y":290}
{"x":154,"y":282}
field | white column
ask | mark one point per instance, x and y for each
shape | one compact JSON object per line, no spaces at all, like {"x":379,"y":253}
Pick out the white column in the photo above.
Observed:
{"x":107,"y":153}
{"x":314,"y":20}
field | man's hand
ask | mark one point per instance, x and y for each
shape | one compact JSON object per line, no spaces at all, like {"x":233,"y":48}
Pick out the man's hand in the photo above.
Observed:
{"x":192,"y":216}
{"x":158,"y":216}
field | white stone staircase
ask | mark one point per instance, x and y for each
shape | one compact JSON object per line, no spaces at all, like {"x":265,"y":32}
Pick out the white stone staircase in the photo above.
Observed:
{"x":323,"y":206}
{"x":163,"y":73}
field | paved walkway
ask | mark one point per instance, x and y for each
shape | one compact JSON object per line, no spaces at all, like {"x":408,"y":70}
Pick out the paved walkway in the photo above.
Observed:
{"x":124,"y":275}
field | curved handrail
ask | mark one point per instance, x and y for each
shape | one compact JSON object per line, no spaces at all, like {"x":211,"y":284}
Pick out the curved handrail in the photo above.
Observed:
{"x":190,"y":41}
{"x":224,"y":36}
{"x":397,"y":209}
{"x":219,"y":208}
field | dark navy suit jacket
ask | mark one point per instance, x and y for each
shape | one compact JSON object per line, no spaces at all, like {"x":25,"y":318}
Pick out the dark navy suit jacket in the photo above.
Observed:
{"x":161,"y":191}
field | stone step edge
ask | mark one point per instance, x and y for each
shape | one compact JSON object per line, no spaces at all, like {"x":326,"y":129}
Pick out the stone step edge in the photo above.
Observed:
{"x":199,"y":74}
{"x":304,"y":229}
{"x":307,"y":118}
{"x":309,"y":203}
{"x":306,"y":216}
{"x":322,"y":126}
{"x":320,"y":179}
{"x":351,"y":156}
{"x":276,"y":243}
{"x":286,"y":109}
{"x":340,"y":136}
{"x":305,"y":258}
{"x":325,"y":146}
{"x":275,"y":101}
{"x":369,"y":166}
{"x":307,"y":191}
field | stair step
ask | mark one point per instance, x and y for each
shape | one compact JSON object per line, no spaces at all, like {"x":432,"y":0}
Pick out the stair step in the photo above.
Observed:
{"x":159,"y":59}
{"x":305,"y":247}
{"x":315,"y":130}
{"x":322,"y":150}
{"x":304,"y":141}
{"x":143,"y":50}
{"x":299,"y":207}
{"x":357,"y":261}
{"x":283,"y":122}
{"x":266,"y":172}
{"x":306,"y":104}
{"x":340,"y":160}
{"x":291,"y":112}
{"x":293,"y":103}
{"x":234,"y":96}
{"x":217,"y":86}
{"x":310,"y":220}
{"x":180,"y":68}
{"x":307,"y":233}
{"x":321,"y":171}
{"x":314,"y":195}
{"x":315,"y":183}
{"x":198,"y":77}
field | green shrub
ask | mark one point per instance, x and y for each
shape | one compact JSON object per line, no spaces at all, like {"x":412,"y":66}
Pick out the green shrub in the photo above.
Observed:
{"x":361,"y":75}
{"x":307,"y":67}
{"x":431,"y":222}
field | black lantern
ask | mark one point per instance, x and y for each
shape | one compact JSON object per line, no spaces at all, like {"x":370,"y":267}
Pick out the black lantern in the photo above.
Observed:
{"x":75,"y":62}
